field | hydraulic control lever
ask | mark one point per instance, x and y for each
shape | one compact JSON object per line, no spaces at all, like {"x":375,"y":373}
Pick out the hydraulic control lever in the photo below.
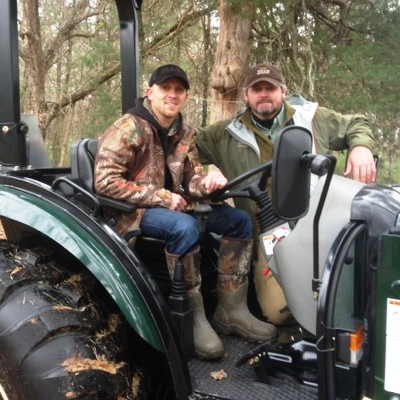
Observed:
{"x":202,"y":211}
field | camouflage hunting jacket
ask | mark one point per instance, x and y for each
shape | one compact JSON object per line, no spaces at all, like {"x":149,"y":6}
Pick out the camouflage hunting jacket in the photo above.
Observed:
{"x":139,"y":162}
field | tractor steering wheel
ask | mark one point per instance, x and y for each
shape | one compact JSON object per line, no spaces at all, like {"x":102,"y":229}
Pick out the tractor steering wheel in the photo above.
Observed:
{"x":233,"y":189}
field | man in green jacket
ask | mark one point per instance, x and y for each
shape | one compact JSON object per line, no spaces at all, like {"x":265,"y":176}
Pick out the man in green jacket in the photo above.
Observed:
{"x":244,"y":142}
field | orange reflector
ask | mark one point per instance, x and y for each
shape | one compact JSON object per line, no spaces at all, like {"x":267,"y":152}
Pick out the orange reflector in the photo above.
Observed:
{"x":357,"y":338}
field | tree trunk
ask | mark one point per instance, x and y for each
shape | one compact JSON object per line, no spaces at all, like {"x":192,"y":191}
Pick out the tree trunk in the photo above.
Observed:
{"x":232,"y":57}
{"x":35,"y":70}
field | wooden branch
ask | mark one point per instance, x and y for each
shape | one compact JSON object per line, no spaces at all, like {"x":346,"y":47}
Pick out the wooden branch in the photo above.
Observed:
{"x":72,"y":98}
{"x":167,"y":36}
{"x":340,"y":3}
{"x":65,"y":31}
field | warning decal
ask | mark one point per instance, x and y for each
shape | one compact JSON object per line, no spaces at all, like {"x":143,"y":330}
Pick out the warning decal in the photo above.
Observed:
{"x":392,"y":365}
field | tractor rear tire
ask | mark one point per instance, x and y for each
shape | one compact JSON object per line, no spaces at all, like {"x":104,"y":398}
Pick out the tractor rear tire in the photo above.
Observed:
{"x":57,"y":341}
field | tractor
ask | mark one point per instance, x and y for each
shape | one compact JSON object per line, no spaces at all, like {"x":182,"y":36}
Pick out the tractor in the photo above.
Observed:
{"x":84,"y":314}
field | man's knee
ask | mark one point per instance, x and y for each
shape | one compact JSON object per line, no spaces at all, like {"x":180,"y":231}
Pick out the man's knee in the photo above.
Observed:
{"x":186,"y":228}
{"x":243,"y":224}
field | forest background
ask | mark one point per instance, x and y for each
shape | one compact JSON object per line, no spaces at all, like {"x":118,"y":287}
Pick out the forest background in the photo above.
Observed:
{"x":343,"y":54}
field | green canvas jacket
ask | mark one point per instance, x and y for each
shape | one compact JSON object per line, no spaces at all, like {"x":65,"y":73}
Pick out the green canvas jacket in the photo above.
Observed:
{"x":237,"y":145}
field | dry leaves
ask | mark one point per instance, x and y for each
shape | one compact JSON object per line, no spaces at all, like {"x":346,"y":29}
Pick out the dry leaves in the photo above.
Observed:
{"x":79,"y":363}
{"x":219,"y":375}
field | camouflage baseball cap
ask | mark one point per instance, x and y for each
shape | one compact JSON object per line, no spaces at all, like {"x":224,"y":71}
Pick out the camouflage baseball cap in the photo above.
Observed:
{"x":264,"y":72}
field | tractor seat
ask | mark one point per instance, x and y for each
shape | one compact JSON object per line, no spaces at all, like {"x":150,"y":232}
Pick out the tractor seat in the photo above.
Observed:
{"x":83,"y":154}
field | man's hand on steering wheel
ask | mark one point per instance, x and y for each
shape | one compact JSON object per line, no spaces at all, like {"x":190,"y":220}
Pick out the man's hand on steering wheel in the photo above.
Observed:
{"x":241,"y":185}
{"x":213,"y":181}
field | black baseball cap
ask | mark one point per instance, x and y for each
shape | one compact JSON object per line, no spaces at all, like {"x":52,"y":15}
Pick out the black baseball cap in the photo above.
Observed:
{"x":161,"y":74}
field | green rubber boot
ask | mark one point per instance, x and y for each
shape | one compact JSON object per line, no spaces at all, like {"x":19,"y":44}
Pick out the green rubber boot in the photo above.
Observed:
{"x":232,"y":316}
{"x":207,"y":344}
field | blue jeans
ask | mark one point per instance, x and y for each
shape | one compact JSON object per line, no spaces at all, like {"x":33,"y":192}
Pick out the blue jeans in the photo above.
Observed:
{"x":180,"y":230}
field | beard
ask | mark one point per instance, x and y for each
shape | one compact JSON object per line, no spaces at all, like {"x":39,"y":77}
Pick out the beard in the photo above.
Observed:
{"x":265,"y":110}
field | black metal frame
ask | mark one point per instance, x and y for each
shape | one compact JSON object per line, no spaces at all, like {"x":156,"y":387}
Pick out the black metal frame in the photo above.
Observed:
{"x":12,"y":130}
{"x":326,"y":330}
{"x":12,"y":137}
{"x":129,"y":50}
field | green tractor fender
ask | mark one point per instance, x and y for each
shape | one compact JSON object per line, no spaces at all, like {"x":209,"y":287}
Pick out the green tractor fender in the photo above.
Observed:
{"x":94,"y":244}
{"x":29,"y":208}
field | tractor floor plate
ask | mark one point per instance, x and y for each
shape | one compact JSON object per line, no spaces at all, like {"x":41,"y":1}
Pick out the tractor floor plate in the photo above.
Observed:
{"x":241,"y":382}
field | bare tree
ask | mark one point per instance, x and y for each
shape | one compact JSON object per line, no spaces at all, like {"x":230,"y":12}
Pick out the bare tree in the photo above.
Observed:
{"x":43,"y":49}
{"x":70,"y":57}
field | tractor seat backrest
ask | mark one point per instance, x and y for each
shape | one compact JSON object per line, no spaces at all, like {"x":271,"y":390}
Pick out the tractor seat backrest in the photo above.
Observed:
{"x":83,"y":154}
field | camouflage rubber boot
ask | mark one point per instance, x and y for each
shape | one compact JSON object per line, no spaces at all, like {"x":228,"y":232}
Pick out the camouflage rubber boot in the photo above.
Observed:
{"x":207,"y":344}
{"x":232,"y":316}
